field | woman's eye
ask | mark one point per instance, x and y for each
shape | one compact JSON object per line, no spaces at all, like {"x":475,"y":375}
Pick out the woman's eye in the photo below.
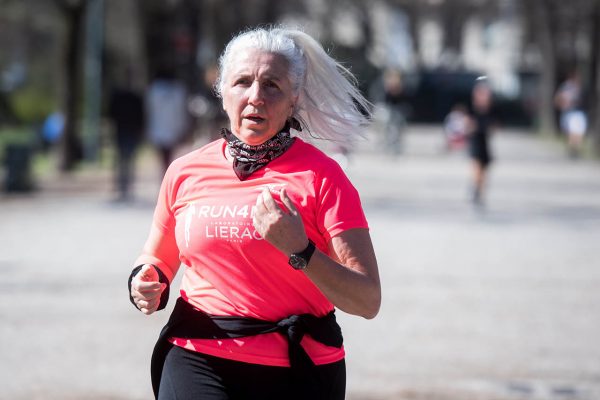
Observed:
{"x":242,"y":81}
{"x":271,"y":84}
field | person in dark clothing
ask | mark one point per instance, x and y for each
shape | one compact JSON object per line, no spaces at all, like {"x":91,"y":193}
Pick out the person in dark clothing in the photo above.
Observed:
{"x":479,"y":147}
{"x":126,"y":110}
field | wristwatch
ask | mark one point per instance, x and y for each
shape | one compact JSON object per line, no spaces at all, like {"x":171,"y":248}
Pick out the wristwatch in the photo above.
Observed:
{"x":300,"y":260}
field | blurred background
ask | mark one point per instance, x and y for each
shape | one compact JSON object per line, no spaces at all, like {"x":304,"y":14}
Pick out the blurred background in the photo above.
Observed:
{"x":481,"y":301}
{"x":62,"y":59}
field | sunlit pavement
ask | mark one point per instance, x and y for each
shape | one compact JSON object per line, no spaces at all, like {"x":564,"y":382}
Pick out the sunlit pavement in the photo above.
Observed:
{"x":491,"y":303}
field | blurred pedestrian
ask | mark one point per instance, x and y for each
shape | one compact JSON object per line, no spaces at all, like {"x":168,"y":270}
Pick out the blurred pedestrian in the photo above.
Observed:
{"x":394,"y":98}
{"x":168,"y":119}
{"x":52,"y":129}
{"x":126,"y":111}
{"x":271,"y":232}
{"x":390,"y":111}
{"x":479,"y":137}
{"x":456,"y":127}
{"x":573,"y":120}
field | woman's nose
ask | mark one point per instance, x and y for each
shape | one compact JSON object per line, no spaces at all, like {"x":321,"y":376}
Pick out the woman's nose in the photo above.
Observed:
{"x":256,"y":95}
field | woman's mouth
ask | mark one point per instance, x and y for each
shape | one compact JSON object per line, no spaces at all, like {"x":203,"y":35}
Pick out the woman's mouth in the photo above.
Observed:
{"x":254,"y":118}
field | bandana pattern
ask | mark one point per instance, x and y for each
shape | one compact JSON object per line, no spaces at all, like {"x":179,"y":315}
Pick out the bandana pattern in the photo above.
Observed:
{"x":247,"y":158}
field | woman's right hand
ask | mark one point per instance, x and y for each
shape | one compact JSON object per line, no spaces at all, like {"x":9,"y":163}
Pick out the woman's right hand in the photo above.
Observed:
{"x":146,"y":289}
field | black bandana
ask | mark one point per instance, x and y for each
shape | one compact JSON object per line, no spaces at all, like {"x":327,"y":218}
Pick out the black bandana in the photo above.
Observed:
{"x":248,"y":158}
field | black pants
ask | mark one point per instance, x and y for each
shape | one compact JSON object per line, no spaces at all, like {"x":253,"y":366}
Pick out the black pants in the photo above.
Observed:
{"x":188,"y":375}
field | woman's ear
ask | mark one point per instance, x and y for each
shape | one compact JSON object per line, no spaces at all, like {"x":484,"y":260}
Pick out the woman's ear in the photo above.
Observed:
{"x":293,"y":106}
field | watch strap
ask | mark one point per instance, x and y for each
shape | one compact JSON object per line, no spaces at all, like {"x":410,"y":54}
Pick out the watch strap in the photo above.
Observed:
{"x":305,"y":255}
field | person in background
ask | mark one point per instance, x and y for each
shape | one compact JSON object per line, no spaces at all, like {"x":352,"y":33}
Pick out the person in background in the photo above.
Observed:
{"x":52,"y":129}
{"x":573,"y":120}
{"x":270,"y":231}
{"x":396,"y":110}
{"x":126,"y":111}
{"x":479,"y":137}
{"x":168,"y":119}
{"x":391,"y":109}
{"x":456,"y":127}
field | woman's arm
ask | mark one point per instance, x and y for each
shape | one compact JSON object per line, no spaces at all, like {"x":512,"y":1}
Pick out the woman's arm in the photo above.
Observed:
{"x":160,"y":251}
{"x":350,"y":281}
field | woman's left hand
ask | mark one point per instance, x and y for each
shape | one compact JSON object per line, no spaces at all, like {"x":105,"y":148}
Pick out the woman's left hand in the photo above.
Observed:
{"x":350,"y":280}
{"x":284,"y":229}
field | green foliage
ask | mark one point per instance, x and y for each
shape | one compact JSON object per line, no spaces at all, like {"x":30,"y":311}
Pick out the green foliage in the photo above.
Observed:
{"x":31,"y":104}
{"x":16,"y":135}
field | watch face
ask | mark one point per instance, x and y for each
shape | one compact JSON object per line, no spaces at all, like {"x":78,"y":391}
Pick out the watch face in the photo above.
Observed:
{"x":297,"y":262}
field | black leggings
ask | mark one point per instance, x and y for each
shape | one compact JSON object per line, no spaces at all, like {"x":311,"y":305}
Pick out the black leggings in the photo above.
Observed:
{"x":189,"y":375}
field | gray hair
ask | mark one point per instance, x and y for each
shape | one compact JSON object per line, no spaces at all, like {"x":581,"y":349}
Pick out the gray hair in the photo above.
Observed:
{"x":330,"y":105}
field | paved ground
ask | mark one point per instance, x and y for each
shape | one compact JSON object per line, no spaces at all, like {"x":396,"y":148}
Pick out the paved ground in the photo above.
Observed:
{"x":494,"y":304}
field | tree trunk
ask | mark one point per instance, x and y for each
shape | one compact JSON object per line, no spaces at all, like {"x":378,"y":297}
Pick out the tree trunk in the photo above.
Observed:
{"x":539,"y":15}
{"x":413,"y":11}
{"x":71,"y":149}
{"x":453,"y":15}
{"x":594,"y":105}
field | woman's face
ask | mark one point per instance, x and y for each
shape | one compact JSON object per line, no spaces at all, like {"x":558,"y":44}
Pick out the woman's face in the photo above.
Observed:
{"x":257,"y":95}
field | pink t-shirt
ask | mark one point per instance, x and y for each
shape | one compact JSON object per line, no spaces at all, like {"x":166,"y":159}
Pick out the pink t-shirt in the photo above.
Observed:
{"x":229,"y":268}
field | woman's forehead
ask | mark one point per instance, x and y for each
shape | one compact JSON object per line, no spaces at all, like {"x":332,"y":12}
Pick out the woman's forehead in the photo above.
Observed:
{"x":261,"y":62}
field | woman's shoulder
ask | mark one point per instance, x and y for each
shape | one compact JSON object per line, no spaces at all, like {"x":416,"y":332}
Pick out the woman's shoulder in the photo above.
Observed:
{"x":207,"y":153}
{"x":312,"y":154}
{"x":207,"y":149}
{"x":309,"y":157}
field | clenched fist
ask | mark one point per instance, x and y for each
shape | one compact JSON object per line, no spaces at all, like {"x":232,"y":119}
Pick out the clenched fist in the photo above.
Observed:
{"x":282,"y":227}
{"x":146,"y":289}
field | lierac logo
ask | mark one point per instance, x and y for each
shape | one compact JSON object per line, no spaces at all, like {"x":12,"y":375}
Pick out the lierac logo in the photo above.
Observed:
{"x":223,"y":221}
{"x":231,"y":222}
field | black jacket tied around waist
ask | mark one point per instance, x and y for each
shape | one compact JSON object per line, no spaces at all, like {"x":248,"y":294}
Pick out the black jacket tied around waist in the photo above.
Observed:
{"x":187,"y":322}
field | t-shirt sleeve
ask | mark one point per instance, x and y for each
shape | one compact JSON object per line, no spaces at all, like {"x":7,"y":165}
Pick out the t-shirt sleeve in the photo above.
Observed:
{"x":164,"y":217}
{"x":339,"y":206}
